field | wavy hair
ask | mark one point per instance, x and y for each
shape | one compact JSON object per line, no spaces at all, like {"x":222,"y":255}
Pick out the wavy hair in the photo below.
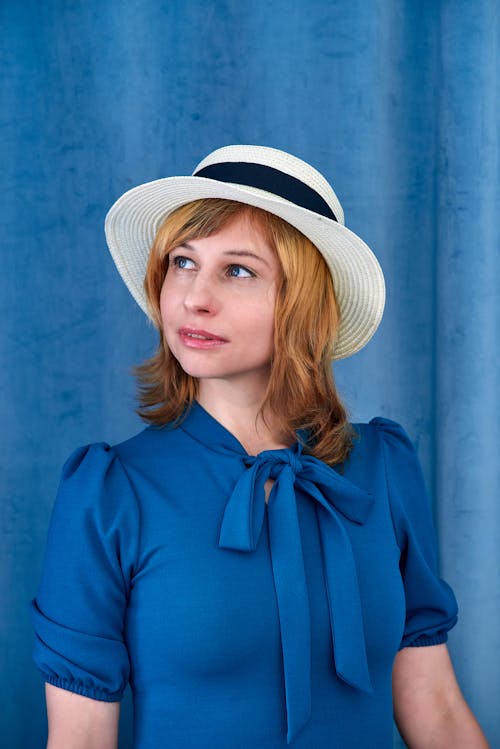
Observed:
{"x":301,"y":392}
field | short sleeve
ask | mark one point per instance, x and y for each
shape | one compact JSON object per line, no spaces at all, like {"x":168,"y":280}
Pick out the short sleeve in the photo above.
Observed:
{"x":431,"y":608}
{"x":80,"y":607}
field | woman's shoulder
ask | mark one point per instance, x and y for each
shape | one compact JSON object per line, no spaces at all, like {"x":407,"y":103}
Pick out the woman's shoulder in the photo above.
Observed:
{"x":86,"y":461}
{"x":90,"y":460}
{"x":94,"y":492}
{"x":97,"y":455}
{"x":385,"y":443}
{"x":381,"y":431}
{"x":386,"y":428}
{"x":154,"y":442}
{"x":104,"y":471}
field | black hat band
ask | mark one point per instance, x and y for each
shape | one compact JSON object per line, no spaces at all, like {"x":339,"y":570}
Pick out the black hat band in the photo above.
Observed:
{"x":269,"y":179}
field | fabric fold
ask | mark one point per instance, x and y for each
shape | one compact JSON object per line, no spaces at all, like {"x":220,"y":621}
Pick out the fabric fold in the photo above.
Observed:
{"x":337,"y":500}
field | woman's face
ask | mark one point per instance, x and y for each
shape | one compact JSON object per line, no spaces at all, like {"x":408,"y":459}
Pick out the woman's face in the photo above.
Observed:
{"x":217,"y":304}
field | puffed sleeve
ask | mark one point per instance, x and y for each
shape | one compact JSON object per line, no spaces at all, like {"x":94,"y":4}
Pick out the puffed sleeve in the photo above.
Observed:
{"x":431,"y":608}
{"x":80,"y":607}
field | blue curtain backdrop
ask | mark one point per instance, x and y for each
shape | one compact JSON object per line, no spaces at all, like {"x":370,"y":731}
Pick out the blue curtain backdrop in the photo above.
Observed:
{"x":397,"y":102}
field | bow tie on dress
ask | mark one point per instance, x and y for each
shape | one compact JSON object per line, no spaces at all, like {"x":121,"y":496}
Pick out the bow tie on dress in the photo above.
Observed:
{"x":337,"y":500}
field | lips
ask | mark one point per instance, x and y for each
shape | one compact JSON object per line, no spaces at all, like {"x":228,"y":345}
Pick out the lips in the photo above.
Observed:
{"x":201,"y":335}
{"x":200,"y":339}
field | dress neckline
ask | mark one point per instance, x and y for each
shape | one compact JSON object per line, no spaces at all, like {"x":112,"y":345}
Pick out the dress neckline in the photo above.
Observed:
{"x":205,"y":428}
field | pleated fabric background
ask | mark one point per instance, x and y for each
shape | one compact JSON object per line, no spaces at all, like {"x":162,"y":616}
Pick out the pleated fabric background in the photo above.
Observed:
{"x":397,"y":103}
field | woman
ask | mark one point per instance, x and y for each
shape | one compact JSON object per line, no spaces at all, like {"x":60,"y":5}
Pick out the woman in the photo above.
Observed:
{"x":260,"y":570}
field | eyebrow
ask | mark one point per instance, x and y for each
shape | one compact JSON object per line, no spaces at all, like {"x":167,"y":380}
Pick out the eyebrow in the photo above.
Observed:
{"x":235,"y":253}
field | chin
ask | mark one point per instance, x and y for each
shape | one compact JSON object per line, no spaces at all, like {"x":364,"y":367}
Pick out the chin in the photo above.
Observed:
{"x":200,"y":371}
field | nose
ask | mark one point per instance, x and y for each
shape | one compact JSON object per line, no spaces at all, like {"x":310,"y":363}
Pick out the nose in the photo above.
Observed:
{"x":199,"y":296}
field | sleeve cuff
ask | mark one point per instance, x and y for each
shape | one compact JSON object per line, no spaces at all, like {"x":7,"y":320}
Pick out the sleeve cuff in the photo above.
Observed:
{"x":85,"y":691}
{"x":425,"y":640}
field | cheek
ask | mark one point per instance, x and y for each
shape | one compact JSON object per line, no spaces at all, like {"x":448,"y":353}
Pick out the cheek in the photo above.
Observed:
{"x":270,"y":311}
{"x":163,"y":303}
{"x":262,"y":321}
{"x":167,"y":302}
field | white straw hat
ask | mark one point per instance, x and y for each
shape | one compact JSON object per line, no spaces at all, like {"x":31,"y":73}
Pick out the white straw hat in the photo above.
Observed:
{"x":279,"y":183}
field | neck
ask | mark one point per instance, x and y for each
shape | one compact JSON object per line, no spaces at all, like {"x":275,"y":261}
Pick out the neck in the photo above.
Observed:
{"x":238,"y":410}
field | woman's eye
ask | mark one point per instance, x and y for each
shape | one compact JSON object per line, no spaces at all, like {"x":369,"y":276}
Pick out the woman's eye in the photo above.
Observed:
{"x":184,"y":263}
{"x":239,"y":271}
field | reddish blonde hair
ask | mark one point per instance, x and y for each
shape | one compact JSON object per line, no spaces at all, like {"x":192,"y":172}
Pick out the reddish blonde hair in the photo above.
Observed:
{"x":301,"y":393}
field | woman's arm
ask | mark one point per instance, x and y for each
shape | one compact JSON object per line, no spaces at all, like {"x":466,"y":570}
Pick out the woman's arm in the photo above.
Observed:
{"x":77,"y":722}
{"x":429,"y":708}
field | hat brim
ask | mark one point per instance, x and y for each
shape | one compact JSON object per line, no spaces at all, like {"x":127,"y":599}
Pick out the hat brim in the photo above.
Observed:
{"x":133,"y":221}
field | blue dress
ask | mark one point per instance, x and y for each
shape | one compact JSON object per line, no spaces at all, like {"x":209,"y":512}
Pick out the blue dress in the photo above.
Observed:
{"x":240,"y":623}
